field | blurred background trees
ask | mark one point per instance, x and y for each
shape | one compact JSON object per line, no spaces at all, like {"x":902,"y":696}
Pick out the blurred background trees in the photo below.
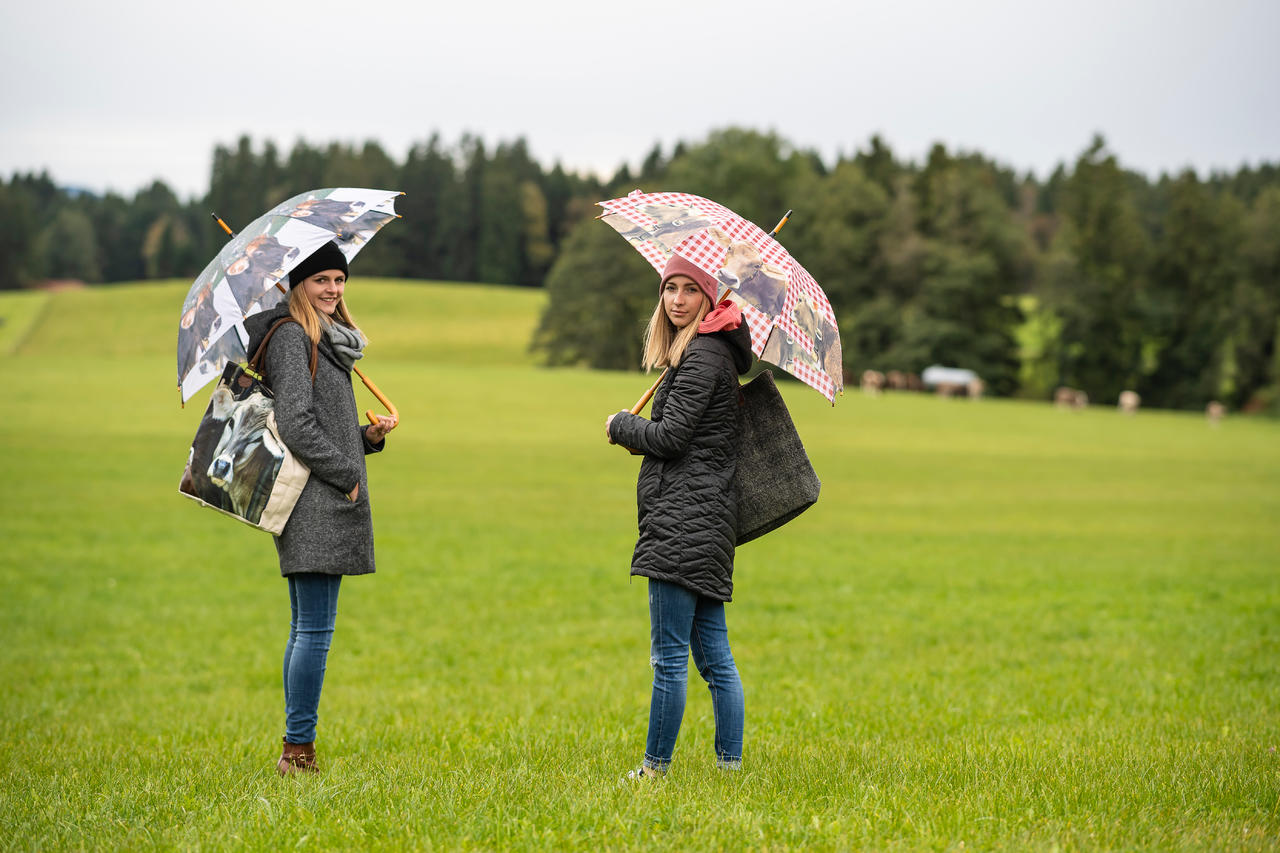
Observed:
{"x":1095,"y":277}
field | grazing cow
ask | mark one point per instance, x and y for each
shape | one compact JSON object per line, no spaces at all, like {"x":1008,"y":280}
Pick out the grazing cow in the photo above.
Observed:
{"x":1129,"y":402}
{"x":897,"y":380}
{"x":914,"y":382}
{"x":1214,"y":412}
{"x":948,"y":389}
{"x":872,"y":382}
{"x":1070,"y":398}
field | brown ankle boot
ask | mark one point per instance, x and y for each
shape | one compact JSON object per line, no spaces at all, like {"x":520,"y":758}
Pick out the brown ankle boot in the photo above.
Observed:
{"x":297,"y":758}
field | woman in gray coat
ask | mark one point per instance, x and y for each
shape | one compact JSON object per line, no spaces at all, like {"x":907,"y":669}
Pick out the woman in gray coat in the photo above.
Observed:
{"x":688,"y":506}
{"x":330,"y":533}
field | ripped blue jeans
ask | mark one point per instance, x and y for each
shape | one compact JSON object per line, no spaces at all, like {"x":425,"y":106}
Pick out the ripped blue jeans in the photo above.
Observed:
{"x":681,"y":621}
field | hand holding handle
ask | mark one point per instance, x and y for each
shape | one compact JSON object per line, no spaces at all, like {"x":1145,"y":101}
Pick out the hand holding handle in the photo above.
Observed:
{"x":391,"y":408}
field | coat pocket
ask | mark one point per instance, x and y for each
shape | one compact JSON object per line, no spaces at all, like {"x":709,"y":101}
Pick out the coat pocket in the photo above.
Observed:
{"x":649,"y":485}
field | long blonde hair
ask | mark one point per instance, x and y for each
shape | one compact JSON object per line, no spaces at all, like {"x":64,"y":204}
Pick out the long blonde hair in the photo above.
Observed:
{"x":301,"y":309}
{"x":664,"y":344}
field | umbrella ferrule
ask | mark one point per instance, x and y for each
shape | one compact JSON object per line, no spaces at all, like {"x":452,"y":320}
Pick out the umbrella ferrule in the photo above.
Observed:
{"x":225,"y":226}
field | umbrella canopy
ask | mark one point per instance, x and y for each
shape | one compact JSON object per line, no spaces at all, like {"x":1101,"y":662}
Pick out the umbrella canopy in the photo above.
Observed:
{"x":791,"y":321}
{"x":242,"y":279}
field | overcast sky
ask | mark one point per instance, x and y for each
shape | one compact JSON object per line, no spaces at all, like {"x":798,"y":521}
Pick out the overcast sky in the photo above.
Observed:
{"x":114,"y":95}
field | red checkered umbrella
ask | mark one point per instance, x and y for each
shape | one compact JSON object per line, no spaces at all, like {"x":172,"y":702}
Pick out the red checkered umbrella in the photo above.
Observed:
{"x":791,"y":321}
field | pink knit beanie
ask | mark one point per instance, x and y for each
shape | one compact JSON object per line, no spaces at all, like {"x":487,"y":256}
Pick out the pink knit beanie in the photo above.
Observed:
{"x":724,"y":316}
{"x":680,"y":266}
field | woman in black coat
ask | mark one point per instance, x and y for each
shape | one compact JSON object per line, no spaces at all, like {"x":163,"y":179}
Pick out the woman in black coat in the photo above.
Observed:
{"x":330,"y":532}
{"x":687,"y":505}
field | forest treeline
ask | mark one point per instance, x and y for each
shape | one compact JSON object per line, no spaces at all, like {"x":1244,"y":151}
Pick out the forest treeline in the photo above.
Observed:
{"x":1096,"y":277}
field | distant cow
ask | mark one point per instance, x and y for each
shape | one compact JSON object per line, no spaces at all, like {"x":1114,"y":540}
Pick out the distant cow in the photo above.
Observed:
{"x":872,"y":382}
{"x":1070,"y":398}
{"x":1129,"y":402}
{"x":897,"y":380}
{"x":1214,"y":412}
{"x":949,"y":389}
{"x":975,"y":389}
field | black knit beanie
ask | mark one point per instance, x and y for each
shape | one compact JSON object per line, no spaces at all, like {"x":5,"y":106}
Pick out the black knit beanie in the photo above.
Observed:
{"x":327,"y":257}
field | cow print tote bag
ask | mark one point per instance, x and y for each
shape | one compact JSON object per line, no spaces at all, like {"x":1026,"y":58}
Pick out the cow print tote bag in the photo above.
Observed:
{"x":776,"y":482}
{"x":237,"y":464}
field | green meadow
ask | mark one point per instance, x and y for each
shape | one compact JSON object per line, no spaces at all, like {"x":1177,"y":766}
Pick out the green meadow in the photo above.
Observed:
{"x":1003,"y":626}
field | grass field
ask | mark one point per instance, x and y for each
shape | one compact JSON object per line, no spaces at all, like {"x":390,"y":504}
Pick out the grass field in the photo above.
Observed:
{"x":1002,"y":626}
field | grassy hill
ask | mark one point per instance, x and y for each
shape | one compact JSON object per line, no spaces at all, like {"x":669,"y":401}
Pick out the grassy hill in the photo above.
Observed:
{"x":1002,"y":626}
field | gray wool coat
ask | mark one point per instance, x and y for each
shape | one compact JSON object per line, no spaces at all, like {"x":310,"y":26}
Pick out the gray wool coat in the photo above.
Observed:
{"x":687,"y":500}
{"x":326,"y":534}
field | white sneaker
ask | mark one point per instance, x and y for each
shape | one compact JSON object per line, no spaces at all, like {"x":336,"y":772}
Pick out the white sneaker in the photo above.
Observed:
{"x":642,"y":772}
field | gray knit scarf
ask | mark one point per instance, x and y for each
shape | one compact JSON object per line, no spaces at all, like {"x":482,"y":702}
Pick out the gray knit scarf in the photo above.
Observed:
{"x":348,"y":343}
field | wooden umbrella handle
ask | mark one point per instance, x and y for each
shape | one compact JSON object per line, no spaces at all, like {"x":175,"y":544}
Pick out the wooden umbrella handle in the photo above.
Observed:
{"x":382,"y":398}
{"x":639,"y":406}
{"x":645,"y":397}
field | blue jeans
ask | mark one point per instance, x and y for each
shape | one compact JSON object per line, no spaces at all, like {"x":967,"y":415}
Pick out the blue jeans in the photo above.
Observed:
{"x":313,"y":599}
{"x":682,"y":621}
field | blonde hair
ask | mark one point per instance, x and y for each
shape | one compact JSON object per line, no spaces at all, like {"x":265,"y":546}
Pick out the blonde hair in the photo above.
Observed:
{"x":301,"y":309}
{"x":664,"y":344}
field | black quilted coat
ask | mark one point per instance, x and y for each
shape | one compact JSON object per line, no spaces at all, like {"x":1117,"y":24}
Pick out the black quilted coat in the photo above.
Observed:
{"x":687,"y":504}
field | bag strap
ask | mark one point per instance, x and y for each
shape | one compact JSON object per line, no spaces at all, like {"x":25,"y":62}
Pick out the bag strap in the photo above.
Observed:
{"x":262,"y":348}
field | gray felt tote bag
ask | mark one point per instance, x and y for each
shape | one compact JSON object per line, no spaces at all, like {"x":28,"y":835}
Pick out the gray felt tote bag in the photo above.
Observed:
{"x":776,"y":481}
